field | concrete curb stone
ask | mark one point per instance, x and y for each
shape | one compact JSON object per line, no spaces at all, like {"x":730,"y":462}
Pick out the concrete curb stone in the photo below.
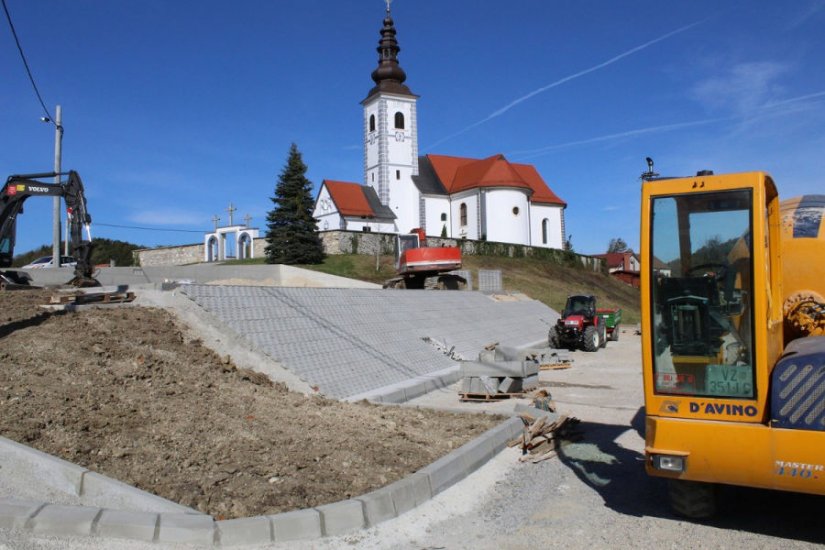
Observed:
{"x":122,"y":524}
{"x":186,"y":528}
{"x":60,"y":519}
{"x":254,"y":530}
{"x":341,"y":517}
{"x":313,"y":523}
{"x":15,"y":513}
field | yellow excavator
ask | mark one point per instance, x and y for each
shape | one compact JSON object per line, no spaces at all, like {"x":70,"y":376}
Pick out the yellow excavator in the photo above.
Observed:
{"x":733,"y":336}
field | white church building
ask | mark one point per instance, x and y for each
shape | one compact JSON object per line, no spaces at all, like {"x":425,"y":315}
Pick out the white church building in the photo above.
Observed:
{"x":489,"y":199}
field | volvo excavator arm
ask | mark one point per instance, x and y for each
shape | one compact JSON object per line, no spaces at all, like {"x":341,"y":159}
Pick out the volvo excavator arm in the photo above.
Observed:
{"x":19,"y":188}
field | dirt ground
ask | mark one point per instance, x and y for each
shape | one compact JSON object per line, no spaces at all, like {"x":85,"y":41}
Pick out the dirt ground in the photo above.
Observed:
{"x":124,"y":392}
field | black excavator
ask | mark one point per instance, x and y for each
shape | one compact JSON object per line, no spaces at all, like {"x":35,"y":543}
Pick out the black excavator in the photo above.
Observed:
{"x":14,"y":193}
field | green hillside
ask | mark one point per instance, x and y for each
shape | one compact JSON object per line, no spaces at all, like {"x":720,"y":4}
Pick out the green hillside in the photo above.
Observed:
{"x":540,"y":279}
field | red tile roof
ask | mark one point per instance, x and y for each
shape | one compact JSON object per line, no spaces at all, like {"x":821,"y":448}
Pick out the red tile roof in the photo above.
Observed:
{"x":349,"y":198}
{"x":460,"y":174}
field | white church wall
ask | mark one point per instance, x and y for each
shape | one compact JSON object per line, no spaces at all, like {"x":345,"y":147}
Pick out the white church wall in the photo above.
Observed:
{"x":326,"y":212}
{"x":374,"y":226}
{"x":507,"y":213}
{"x":404,"y":204}
{"x":469,"y":231}
{"x":553,"y":214}
{"x":435,"y":207}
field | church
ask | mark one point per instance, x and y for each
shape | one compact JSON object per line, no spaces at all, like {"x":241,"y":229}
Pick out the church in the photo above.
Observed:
{"x":489,"y":199}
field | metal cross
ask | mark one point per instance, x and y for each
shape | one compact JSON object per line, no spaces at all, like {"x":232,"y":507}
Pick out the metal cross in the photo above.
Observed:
{"x":215,"y":220}
{"x":247,"y":219}
{"x":231,"y":211}
{"x":388,"y":4}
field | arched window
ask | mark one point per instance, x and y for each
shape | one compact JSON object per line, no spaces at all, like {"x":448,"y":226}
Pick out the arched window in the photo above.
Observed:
{"x":462,"y":213}
{"x":372,"y":123}
{"x":544,"y":224}
{"x":443,"y":216}
{"x":399,"y":120}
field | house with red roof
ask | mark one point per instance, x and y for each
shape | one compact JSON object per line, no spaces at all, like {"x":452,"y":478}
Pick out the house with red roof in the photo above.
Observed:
{"x":489,"y":199}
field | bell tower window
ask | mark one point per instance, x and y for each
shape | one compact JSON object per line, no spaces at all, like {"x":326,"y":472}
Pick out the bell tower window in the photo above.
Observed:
{"x":399,"y":121}
{"x":372,"y":123}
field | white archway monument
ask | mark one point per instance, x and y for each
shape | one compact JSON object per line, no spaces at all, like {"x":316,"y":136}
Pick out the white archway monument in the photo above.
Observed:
{"x":229,"y":242}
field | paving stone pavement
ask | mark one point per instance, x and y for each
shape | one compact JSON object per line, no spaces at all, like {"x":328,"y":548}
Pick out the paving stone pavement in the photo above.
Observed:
{"x":351,"y":341}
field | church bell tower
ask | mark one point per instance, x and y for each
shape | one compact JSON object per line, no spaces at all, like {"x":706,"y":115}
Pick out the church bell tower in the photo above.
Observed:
{"x":391,"y":133}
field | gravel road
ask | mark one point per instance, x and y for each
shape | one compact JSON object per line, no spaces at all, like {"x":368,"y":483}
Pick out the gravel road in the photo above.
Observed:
{"x":594,"y":495}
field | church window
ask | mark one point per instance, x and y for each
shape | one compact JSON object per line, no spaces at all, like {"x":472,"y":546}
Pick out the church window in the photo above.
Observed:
{"x":515,"y":210}
{"x":462,"y":213}
{"x":443,"y":216}
{"x":544,"y":224}
{"x":399,"y":120}
{"x":398,"y":174}
{"x":373,"y":176}
{"x":372,"y":123}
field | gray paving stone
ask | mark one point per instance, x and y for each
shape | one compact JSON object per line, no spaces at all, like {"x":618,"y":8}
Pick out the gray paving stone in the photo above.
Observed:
{"x":124,"y":524}
{"x":186,"y":528}
{"x":297,"y":525}
{"x":341,"y":517}
{"x":15,"y":512}
{"x":58,"y":519}
{"x":254,"y":530}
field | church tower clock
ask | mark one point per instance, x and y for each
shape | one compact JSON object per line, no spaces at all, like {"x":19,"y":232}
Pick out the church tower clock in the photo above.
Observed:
{"x":391,"y":133}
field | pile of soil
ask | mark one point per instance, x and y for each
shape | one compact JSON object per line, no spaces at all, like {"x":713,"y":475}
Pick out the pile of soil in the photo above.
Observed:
{"x":125,"y":392}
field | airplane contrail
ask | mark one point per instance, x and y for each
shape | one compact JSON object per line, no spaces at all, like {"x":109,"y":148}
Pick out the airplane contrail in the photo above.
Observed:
{"x":532,"y":153}
{"x":561,"y":81}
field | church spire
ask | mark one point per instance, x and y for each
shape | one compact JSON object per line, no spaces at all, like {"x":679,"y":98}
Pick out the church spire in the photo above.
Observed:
{"x":389,"y":76}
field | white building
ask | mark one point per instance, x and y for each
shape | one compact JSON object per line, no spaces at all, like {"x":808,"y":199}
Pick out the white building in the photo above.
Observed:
{"x":482,"y":199}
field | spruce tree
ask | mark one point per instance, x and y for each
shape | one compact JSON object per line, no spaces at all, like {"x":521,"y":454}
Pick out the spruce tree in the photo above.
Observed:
{"x":292,"y":236}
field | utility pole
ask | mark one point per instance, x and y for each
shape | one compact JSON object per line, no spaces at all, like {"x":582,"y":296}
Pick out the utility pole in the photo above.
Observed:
{"x":58,"y":151}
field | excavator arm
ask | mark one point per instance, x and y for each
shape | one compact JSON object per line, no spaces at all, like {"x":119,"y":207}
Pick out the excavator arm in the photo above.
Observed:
{"x":19,"y":188}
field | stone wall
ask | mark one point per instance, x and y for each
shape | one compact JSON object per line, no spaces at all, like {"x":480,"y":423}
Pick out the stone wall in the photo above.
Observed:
{"x":367,"y":243}
{"x":169,"y":255}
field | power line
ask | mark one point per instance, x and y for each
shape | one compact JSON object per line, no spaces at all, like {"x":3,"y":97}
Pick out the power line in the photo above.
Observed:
{"x":26,"y":64}
{"x":149,"y":228}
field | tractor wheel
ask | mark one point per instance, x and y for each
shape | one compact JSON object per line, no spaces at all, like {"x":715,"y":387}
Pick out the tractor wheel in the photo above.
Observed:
{"x":614,"y":336}
{"x":603,"y":336}
{"x":692,"y":499}
{"x":592,"y":340}
{"x":553,"y":338}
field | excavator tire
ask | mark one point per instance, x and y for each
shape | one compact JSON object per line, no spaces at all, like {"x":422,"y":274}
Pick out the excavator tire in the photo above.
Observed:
{"x":692,"y":499}
{"x":592,"y":339}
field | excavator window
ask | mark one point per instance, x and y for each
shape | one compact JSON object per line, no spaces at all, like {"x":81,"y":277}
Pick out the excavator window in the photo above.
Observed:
{"x":702,"y":298}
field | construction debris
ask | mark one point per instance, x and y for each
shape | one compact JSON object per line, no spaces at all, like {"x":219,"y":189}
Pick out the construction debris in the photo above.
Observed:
{"x":80,"y":298}
{"x":502,"y":372}
{"x":542,"y":437}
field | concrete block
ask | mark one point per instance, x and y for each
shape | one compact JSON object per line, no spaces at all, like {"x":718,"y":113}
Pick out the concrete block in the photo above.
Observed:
{"x":14,"y":513}
{"x":529,"y":368}
{"x":476,"y":453}
{"x":297,"y":525}
{"x":378,"y":506}
{"x":500,"y":369}
{"x":530,"y":382}
{"x":104,"y":491}
{"x":413,"y":390}
{"x":409,"y":492}
{"x":476,"y":385}
{"x":123,"y":524}
{"x":341,"y":517}
{"x":58,"y":519}
{"x":445,"y":472}
{"x":510,"y":385}
{"x":186,"y":528}
{"x":465,"y":385}
{"x":26,"y":463}
{"x":254,"y":530}
{"x":487,"y":356}
{"x":491,"y":384}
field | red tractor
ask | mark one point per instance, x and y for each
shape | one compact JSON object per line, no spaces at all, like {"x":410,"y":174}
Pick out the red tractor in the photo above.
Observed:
{"x":420,"y":266}
{"x":580,"y":326}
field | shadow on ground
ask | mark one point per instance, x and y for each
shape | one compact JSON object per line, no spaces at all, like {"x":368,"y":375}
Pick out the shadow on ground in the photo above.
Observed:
{"x":618,"y":475}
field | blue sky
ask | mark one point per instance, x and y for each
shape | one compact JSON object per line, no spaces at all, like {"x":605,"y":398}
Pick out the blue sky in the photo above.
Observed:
{"x":173,"y":109}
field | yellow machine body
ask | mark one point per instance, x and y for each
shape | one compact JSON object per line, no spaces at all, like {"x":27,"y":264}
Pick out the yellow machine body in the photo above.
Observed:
{"x":724,"y":272}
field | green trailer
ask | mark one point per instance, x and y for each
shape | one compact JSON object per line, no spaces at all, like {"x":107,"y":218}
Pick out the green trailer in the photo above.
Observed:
{"x":612,"y":319}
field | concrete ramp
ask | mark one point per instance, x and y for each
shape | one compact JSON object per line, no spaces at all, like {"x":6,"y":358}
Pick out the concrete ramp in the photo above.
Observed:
{"x":349,"y":342}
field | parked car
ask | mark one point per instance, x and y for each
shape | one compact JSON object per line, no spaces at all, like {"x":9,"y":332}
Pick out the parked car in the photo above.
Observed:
{"x":46,"y":261}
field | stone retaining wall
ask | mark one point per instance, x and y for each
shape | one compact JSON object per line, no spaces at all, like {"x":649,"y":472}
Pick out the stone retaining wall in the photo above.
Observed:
{"x":356,"y":242}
